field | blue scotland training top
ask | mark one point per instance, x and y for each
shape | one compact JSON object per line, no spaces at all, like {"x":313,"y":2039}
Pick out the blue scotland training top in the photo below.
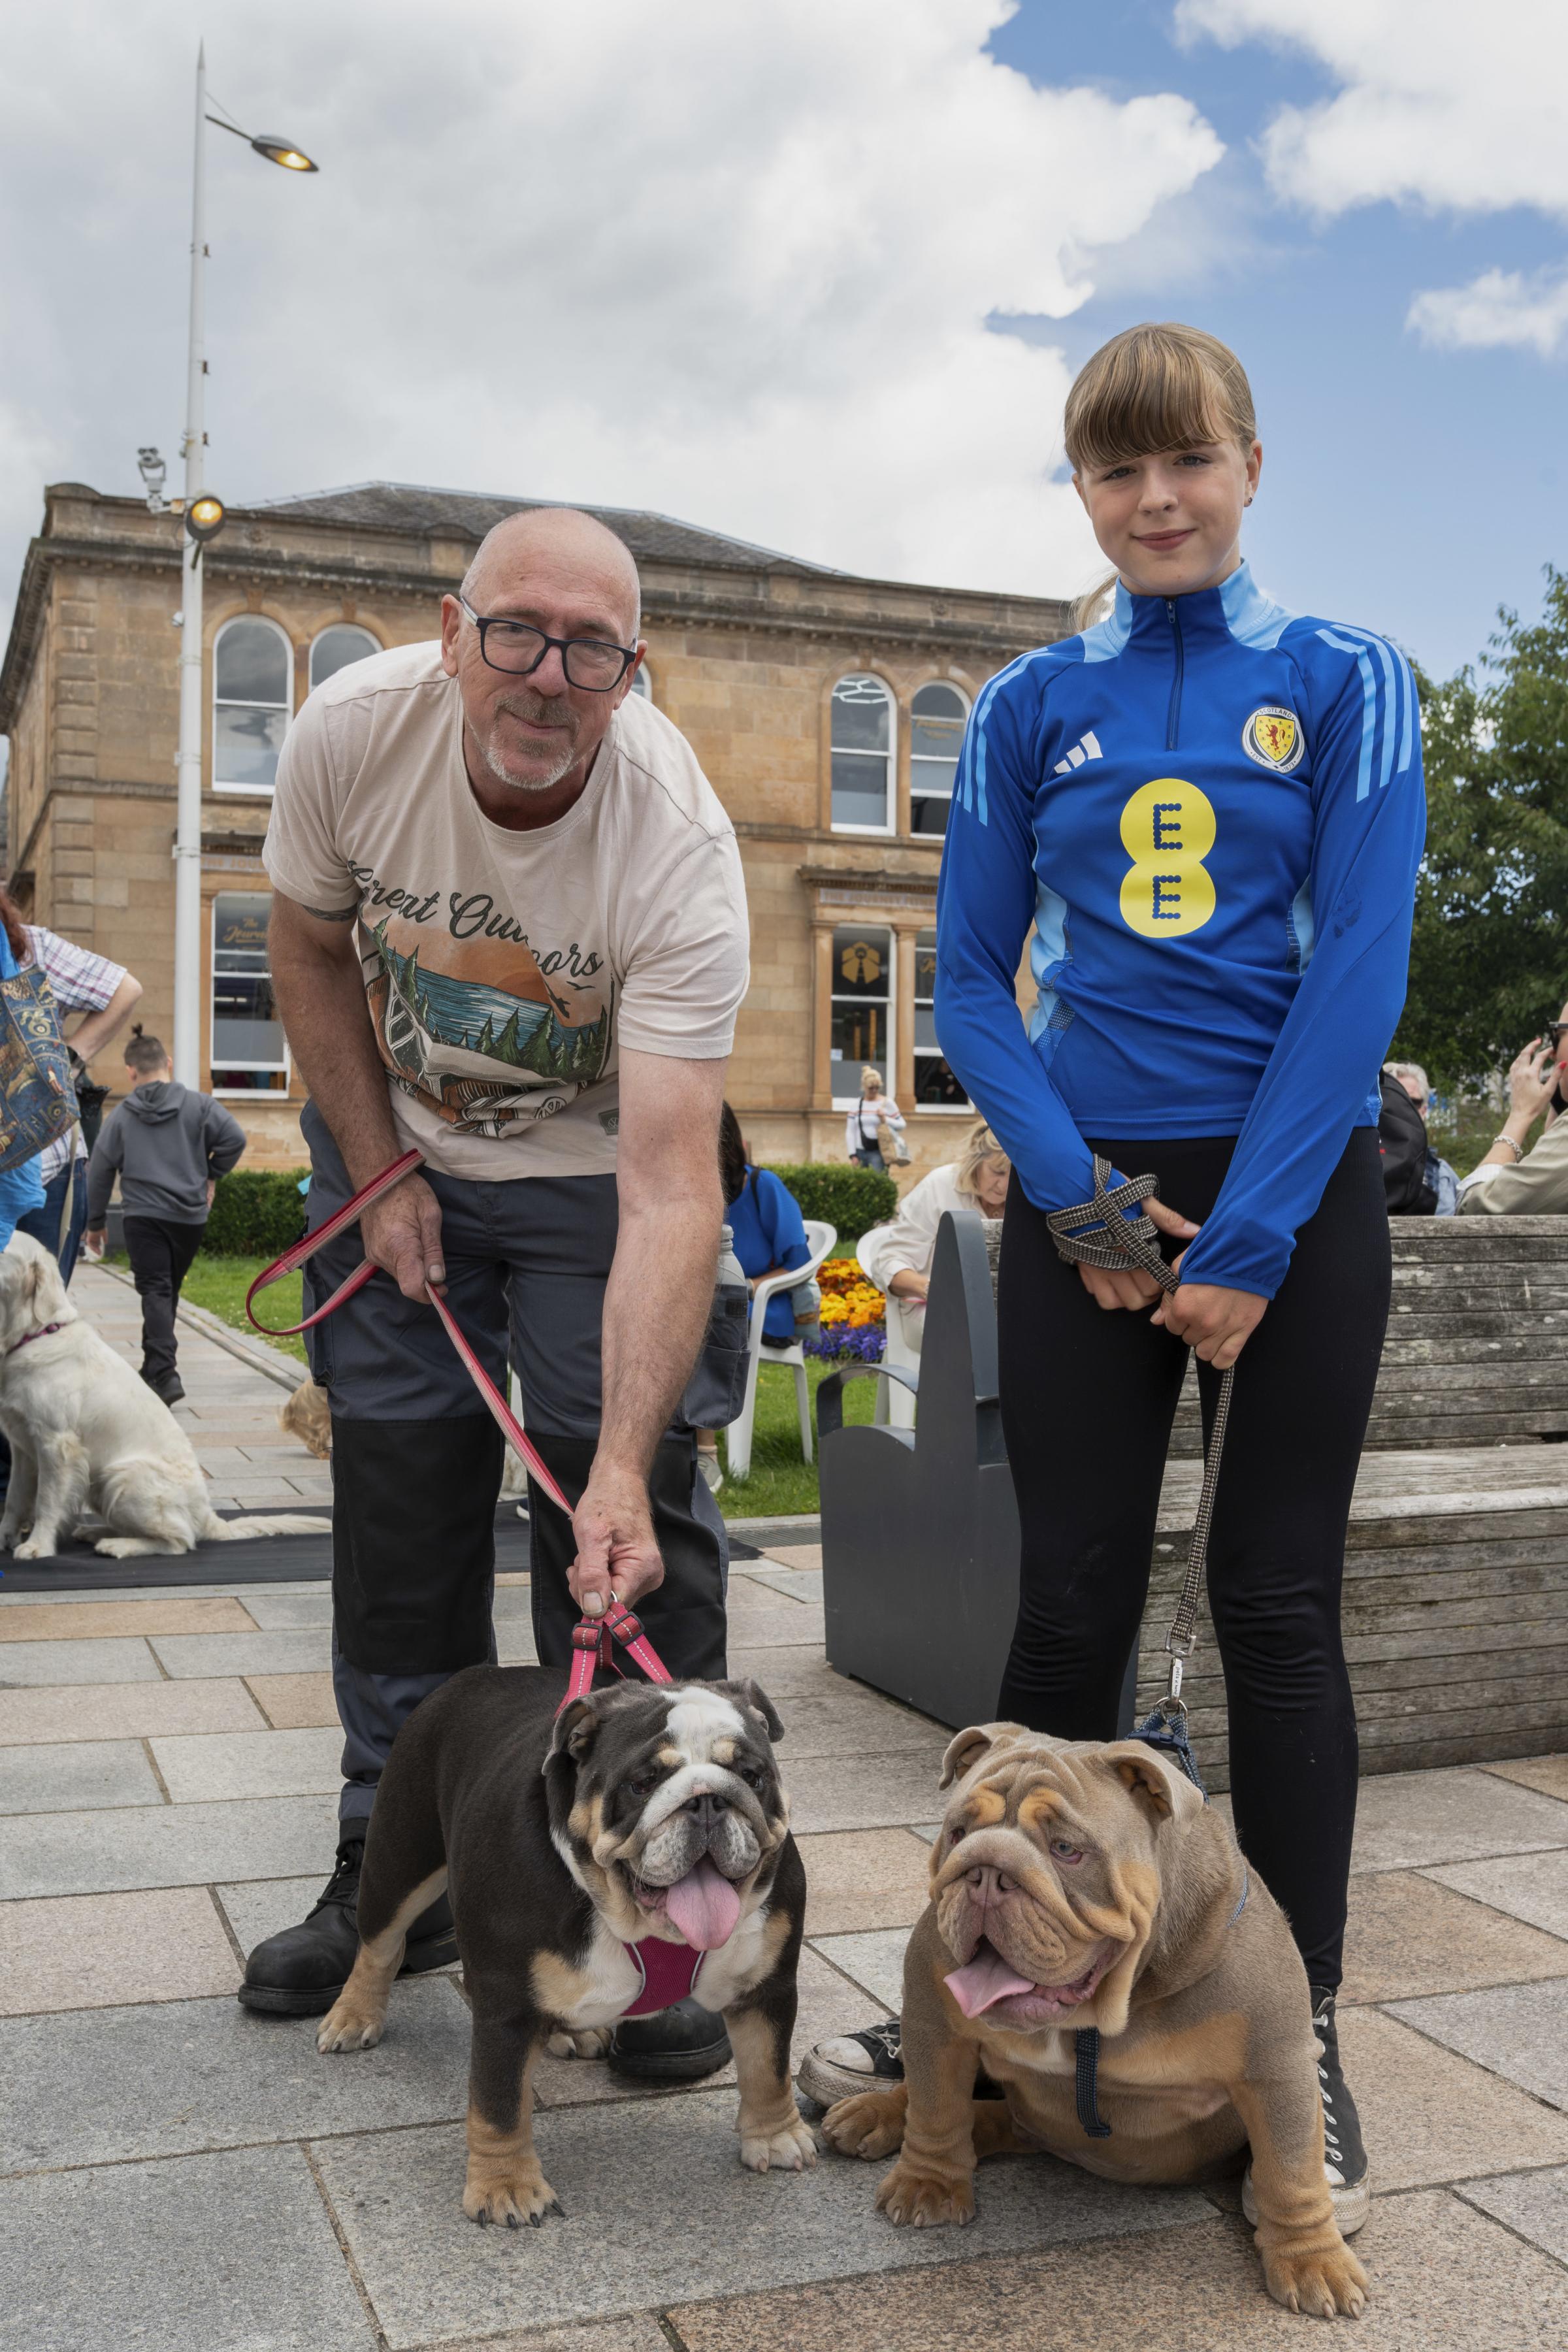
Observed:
{"x":1212,"y":812}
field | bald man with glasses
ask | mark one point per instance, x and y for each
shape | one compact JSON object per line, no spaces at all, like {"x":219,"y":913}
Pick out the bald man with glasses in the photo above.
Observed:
{"x":509,"y":929}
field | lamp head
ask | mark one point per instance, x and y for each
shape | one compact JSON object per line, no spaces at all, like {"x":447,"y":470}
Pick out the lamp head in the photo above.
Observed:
{"x":281,"y":150}
{"x":205,"y":517}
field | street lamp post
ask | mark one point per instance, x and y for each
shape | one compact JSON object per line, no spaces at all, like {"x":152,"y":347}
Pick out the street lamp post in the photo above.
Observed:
{"x":199,"y":529}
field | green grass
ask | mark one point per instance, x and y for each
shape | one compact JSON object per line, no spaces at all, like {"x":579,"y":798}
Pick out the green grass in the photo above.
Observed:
{"x":219,"y":1284}
{"x":780,"y":1480}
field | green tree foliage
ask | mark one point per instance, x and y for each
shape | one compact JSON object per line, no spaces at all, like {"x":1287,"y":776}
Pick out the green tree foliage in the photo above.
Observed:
{"x":1490,"y":957}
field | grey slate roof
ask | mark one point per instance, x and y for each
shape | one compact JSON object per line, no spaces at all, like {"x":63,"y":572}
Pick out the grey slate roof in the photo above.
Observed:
{"x":416,"y":507}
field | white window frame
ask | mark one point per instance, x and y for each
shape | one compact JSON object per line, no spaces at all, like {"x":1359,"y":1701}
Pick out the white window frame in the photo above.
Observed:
{"x":878,"y":832}
{"x":270,"y":1070}
{"x":251,"y":792}
{"x":918,"y":759}
{"x":889,"y":1052}
{"x":916,"y":1108}
{"x":375,"y":647}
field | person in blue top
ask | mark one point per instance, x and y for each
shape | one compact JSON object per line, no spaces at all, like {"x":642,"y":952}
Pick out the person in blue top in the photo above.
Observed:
{"x":1210,"y":812}
{"x":21,"y":1188}
{"x":768,"y":1235}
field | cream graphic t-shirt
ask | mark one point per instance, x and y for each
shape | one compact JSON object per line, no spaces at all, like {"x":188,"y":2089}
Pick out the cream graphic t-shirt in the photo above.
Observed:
{"x":504,"y":970}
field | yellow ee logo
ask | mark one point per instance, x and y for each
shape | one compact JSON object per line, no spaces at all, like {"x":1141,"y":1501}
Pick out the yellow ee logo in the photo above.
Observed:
{"x":1167,"y":830}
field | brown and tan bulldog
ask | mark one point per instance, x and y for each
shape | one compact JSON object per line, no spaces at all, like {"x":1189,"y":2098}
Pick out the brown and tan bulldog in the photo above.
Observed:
{"x":1076,"y":1885}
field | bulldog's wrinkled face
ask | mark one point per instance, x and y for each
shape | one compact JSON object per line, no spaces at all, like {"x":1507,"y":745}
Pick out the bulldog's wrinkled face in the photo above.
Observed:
{"x":665,"y":1803}
{"x":1046,"y":1876}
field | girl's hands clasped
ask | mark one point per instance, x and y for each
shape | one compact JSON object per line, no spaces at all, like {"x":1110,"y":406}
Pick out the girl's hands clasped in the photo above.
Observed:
{"x":1130,"y":1286}
{"x":1215,"y":1322}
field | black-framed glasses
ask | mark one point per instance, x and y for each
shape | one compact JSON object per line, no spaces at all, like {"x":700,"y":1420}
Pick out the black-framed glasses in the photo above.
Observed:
{"x":591,"y":663}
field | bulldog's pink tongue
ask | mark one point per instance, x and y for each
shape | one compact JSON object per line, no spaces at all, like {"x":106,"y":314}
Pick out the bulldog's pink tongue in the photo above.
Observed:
{"x":704,"y":1907}
{"x":986,"y":1979}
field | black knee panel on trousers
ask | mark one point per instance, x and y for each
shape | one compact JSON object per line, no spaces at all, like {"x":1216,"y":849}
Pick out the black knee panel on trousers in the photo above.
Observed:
{"x":684,"y":1617}
{"x":414,"y":1549}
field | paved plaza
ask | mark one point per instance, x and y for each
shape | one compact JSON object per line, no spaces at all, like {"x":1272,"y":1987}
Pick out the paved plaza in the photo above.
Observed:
{"x":184,"y":2176}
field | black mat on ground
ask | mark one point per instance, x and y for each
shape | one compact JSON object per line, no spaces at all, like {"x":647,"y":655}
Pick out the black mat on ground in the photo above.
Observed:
{"x":268,"y":1559}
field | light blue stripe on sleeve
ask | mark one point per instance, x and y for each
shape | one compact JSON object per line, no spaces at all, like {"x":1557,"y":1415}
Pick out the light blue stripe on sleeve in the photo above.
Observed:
{"x":1369,"y":713}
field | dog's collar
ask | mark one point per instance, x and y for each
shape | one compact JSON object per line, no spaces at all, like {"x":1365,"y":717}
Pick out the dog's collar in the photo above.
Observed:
{"x":44,"y":1331}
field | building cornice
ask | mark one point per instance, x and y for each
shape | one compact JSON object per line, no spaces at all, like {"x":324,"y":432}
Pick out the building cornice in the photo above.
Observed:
{"x":840,"y":608}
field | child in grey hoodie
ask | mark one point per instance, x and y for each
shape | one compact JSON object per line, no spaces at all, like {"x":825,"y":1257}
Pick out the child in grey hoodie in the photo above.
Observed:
{"x":168,"y":1147}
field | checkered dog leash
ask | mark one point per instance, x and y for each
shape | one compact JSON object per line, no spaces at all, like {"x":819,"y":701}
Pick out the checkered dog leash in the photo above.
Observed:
{"x":593,"y":1638}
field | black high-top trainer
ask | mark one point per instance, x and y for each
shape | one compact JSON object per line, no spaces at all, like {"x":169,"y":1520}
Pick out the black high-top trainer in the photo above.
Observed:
{"x":1344,"y":2154}
{"x":301,"y":1972}
{"x":871,"y":2059}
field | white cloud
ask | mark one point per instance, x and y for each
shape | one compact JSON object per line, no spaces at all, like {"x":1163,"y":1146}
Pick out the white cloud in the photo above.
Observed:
{"x":1443,"y":104}
{"x":733,"y":263}
{"x":1501,"y":307}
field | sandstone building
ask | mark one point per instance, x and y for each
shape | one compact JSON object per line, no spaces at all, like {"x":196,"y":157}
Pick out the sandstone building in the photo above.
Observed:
{"x":826,"y":709}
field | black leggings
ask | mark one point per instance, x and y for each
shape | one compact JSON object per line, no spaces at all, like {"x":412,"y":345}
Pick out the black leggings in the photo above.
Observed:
{"x":1088,"y":1400}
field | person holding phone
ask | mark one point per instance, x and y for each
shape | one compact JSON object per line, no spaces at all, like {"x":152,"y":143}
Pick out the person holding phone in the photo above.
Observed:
{"x":1209,"y":812}
{"x":1512,"y":1182}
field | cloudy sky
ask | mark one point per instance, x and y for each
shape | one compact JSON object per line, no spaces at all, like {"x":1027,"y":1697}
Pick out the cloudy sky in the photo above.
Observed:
{"x":816,"y":272}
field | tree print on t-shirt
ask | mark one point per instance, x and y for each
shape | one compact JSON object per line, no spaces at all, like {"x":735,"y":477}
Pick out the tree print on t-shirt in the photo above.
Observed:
{"x":477,"y":1029}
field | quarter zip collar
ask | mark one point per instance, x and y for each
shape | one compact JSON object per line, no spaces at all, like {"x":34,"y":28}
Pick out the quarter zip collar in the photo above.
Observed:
{"x":1211,"y":614}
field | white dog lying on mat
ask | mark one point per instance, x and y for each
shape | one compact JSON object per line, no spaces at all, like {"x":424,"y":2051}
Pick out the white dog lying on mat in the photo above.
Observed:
{"x":87,"y":1435}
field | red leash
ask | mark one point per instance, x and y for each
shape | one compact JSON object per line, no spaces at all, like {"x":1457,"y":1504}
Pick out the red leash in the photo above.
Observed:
{"x":592,"y":1638}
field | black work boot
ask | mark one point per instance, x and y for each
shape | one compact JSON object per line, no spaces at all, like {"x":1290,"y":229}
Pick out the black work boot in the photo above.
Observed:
{"x":678,"y":2044}
{"x":301,"y":1971}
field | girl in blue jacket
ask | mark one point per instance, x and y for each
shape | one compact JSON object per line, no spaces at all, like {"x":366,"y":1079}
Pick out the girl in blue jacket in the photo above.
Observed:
{"x":1210,"y":812}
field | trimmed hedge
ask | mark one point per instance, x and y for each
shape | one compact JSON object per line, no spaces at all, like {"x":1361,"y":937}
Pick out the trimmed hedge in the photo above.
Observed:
{"x":853,"y":1199}
{"x":256,"y":1212}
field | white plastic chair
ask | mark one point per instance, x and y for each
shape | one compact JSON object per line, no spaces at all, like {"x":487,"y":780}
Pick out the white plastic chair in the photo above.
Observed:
{"x":895,"y":1405}
{"x":820,"y":1238}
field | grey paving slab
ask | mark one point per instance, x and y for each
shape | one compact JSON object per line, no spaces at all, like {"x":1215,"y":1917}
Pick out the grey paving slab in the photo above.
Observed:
{"x":80,"y":1774}
{"x":1520,"y":2032}
{"x":167,"y":1845}
{"x":282,"y":1612}
{"x":850,"y":1722}
{"x":211,"y":2254}
{"x":874,"y":1957}
{"x":756,"y":1628}
{"x":792,"y":1582}
{"x":784,"y":1670}
{"x":659,"y":2208}
{"x":1410,"y":1821}
{"x":1534,"y":2205}
{"x":259,"y":1907}
{"x":1528,"y":1886}
{"x":25,"y":1665}
{"x":515,"y":1642}
{"x":211,"y":1767}
{"x":167,"y":2078}
{"x":185,"y":1656}
{"x":859,"y":1792}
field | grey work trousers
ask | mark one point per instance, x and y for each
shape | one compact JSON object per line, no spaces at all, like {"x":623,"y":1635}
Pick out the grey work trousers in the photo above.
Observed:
{"x":417,"y":1460}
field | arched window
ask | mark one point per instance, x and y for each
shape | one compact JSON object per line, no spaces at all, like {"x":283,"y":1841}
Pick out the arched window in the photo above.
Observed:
{"x":862,"y":741}
{"x":253,"y":679}
{"x":336,"y":647}
{"x":936,"y":737}
{"x":642,"y":684}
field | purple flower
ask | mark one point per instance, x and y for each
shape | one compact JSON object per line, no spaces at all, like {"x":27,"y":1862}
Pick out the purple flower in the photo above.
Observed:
{"x":842,"y":1346}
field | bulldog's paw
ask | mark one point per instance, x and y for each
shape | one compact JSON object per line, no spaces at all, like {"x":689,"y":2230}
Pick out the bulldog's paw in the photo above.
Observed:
{"x":788,"y":2148}
{"x":925,"y":2198}
{"x":593,"y":2042}
{"x":10,"y":1534}
{"x":521,"y":2194}
{"x":871,"y":2125}
{"x":350,"y":2025}
{"x":1319,"y":2280}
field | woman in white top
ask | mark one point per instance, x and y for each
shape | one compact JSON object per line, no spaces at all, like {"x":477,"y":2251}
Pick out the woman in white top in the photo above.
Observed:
{"x":874,"y":1113}
{"x":898,"y":1256}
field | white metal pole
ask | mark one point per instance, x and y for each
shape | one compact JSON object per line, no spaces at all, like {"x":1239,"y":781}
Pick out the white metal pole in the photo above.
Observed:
{"x":188,"y":764}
